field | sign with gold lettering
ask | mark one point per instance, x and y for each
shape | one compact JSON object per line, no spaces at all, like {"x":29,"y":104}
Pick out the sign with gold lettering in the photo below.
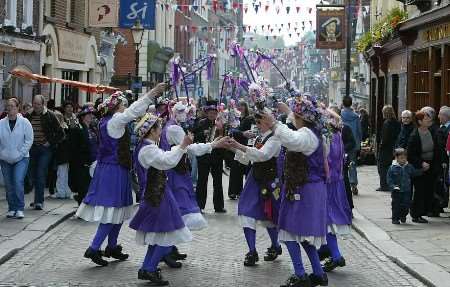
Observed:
{"x":330,"y":31}
{"x":436,"y":33}
{"x":72,"y":46}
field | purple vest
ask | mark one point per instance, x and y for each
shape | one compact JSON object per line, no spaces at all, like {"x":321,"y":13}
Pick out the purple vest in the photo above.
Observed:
{"x":141,"y":172}
{"x":111,"y":150}
{"x":163,"y":142}
{"x":316,"y":162}
{"x":336,"y":157}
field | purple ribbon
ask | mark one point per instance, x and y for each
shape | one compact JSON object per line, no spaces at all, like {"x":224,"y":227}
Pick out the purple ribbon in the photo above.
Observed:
{"x":209,"y":68}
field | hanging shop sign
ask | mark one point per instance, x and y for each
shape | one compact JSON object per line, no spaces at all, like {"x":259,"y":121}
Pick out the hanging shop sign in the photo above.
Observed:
{"x":331,"y":27}
{"x":103,"y":13}
{"x":133,"y":10}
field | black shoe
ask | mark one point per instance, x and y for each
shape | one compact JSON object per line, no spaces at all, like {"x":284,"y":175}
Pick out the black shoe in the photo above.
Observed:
{"x":222,"y":210}
{"x":154,"y":277}
{"x":318,"y":280}
{"x":419,"y":219}
{"x":177,"y":255}
{"x":95,"y":256}
{"x":232,"y":197}
{"x":330,"y":264}
{"x":295,"y":281}
{"x":395,"y":221}
{"x":403,"y":219}
{"x":251,"y":258}
{"x":171,"y":262}
{"x":355,"y":190}
{"x":272,"y":253}
{"x":115,"y":253}
{"x":324,"y":253}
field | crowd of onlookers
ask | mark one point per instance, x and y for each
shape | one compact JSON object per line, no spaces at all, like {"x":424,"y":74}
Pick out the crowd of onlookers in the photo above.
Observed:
{"x":418,"y":176}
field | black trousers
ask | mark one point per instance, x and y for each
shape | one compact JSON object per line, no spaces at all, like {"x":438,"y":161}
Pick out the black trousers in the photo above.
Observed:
{"x":401,"y":202}
{"x":423,"y":194}
{"x":383,"y":169}
{"x":215,"y":168}
{"x":348,"y":189}
{"x":236,"y":181}
{"x":79,"y":180}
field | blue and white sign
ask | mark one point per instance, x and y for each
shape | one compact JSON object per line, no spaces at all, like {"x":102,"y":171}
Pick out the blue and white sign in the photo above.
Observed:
{"x":133,"y":10}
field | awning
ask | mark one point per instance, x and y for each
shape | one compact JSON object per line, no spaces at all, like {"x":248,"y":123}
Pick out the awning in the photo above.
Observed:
{"x":87,"y":87}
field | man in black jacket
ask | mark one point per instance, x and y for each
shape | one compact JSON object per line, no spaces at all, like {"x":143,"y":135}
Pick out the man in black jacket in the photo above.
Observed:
{"x":206,"y":131}
{"x":47,"y":135}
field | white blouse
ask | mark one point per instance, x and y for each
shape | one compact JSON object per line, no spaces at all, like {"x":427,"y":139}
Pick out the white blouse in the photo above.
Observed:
{"x":152,"y":156}
{"x":116,"y":126}
{"x":302,"y":140}
{"x":270,"y":149}
{"x":199,"y":149}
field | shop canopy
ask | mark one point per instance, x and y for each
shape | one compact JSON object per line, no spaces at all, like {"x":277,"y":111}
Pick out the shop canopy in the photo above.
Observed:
{"x":87,"y":87}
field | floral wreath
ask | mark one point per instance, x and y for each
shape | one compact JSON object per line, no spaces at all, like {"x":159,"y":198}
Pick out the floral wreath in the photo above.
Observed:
{"x":145,"y":124}
{"x":113,"y":101}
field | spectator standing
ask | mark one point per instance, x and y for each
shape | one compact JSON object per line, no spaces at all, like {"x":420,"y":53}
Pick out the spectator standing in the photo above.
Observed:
{"x":407,"y":128}
{"x":16,"y":136}
{"x":62,"y":158}
{"x":399,"y":181}
{"x":364,"y":118}
{"x":441,"y":136}
{"x":389,"y":133}
{"x":422,"y":153}
{"x":84,"y":145}
{"x":47,"y":134}
{"x":351,"y":119}
{"x":241,"y":135}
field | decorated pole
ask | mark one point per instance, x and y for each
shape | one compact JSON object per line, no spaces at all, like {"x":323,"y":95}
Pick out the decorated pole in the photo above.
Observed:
{"x":185,"y":86}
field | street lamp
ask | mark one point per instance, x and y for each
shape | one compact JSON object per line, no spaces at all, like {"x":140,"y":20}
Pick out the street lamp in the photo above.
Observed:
{"x":138,"y":32}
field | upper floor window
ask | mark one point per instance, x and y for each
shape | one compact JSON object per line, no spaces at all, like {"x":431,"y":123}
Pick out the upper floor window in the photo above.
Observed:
{"x":27,"y":13}
{"x":70,"y":12}
{"x":50,"y":8}
{"x":11,"y":12}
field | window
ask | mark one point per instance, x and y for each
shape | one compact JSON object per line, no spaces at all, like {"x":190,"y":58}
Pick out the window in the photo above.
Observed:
{"x":53,"y":8}
{"x":27,"y":13}
{"x":70,"y":12}
{"x":11,"y":12}
{"x":69,"y":93}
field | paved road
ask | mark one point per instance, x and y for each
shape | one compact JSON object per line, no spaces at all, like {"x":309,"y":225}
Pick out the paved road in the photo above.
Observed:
{"x":215,"y":259}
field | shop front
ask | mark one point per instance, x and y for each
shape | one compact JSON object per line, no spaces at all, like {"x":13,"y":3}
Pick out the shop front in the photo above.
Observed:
{"x":70,"y":56}
{"x":428,"y":59}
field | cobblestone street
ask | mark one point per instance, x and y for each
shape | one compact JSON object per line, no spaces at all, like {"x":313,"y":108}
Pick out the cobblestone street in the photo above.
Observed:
{"x":215,"y":259}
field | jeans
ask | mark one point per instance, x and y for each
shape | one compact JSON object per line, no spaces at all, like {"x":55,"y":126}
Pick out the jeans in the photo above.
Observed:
{"x":194,"y":167}
{"x":352,"y":173}
{"x":14,"y":177}
{"x":39,"y":160}
{"x":62,"y":181}
{"x":401,"y":202}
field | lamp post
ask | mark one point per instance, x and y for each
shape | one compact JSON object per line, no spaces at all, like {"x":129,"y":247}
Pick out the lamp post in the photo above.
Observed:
{"x":138,"y":32}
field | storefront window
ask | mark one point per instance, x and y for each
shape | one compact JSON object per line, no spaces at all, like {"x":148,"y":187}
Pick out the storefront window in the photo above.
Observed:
{"x":420,"y":80}
{"x":69,"y":93}
{"x":11,"y":12}
{"x":27,"y":14}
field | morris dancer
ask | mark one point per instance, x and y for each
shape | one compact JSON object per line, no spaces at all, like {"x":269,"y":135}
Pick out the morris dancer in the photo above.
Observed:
{"x":158,"y":221}
{"x":303,"y":213}
{"x":109,"y":199}
{"x":339,"y":212}
{"x":260,"y":199}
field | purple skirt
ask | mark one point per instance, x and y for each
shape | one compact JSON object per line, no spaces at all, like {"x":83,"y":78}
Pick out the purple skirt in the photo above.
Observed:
{"x":251,"y":204}
{"x":110,"y":187}
{"x":338,"y":209}
{"x":183,"y":192}
{"x":163,"y":218}
{"x":306,"y":216}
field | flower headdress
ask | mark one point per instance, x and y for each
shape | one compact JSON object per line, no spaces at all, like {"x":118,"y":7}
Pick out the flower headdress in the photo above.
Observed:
{"x":87,"y":109}
{"x":145,"y":124}
{"x":334,"y":120}
{"x":309,"y":110}
{"x":113,"y":101}
{"x":258,"y":94}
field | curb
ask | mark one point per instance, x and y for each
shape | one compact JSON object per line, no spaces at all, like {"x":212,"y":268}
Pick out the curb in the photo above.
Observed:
{"x":428,"y":273}
{"x":34,"y":235}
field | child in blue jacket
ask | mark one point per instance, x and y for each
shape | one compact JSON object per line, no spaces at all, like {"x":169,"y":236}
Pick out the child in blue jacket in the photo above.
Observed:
{"x":399,"y":181}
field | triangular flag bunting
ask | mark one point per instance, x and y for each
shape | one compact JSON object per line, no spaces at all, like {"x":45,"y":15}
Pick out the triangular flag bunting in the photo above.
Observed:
{"x":310,"y":10}
{"x":310,"y":22}
{"x":288,"y":9}
{"x":256,"y":7}
{"x":298,"y":9}
{"x":266,"y":8}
